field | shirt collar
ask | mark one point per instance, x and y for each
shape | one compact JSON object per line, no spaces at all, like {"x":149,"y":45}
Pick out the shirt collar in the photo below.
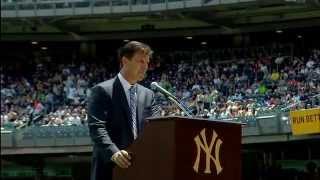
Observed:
{"x":125,"y":84}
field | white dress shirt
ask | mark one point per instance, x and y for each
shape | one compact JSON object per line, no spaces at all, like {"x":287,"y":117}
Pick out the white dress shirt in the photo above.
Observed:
{"x":126,"y":86}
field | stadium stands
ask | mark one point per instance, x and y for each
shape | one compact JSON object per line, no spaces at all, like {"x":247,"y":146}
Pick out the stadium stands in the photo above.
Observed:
{"x":246,"y":86}
{"x":82,"y":7}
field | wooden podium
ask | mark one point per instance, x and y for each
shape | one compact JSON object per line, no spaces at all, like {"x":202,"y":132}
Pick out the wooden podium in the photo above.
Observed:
{"x":180,"y":148}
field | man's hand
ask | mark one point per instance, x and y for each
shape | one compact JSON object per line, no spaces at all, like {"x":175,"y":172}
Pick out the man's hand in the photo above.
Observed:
{"x":122,"y":159}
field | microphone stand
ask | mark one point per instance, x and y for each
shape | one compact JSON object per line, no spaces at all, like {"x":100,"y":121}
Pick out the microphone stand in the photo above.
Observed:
{"x":180,"y":106}
{"x":172,"y":98}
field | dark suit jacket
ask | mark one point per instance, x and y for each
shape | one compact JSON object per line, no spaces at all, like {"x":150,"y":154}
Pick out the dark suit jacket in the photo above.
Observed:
{"x":108,"y":121}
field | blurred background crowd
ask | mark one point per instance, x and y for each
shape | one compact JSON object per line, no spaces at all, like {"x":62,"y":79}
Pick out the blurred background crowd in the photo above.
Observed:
{"x":215,"y":84}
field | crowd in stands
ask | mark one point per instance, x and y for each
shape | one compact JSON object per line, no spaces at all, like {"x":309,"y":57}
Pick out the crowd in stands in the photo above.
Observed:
{"x":243,"y":87}
{"x":238,"y":85}
{"x":50,"y":97}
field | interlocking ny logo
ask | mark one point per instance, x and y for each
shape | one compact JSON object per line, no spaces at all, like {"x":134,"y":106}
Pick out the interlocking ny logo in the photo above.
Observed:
{"x":202,"y":144}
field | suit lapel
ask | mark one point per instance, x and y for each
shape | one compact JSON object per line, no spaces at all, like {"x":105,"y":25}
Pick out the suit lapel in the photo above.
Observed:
{"x":120,"y":95}
{"x":139,"y":108}
{"x":122,"y":99}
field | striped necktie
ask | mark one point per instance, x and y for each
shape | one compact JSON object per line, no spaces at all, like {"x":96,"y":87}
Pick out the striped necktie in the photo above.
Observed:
{"x":133,"y":110}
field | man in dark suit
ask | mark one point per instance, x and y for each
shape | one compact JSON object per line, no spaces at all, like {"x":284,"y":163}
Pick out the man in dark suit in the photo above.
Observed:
{"x":117,"y":109}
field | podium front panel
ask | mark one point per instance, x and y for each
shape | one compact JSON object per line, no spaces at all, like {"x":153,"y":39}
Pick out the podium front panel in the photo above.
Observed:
{"x":209,"y":150}
{"x":153,"y":154}
{"x":175,"y":148}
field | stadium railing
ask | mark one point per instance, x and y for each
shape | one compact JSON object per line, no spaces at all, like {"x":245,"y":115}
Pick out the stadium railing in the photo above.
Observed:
{"x":42,"y":136}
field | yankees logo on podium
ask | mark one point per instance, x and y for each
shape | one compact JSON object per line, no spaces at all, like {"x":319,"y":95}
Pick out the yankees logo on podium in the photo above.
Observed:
{"x":202,"y":146}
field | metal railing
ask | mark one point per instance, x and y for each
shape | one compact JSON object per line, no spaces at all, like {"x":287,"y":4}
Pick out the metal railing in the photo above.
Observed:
{"x":35,"y":136}
{"x":49,"y":136}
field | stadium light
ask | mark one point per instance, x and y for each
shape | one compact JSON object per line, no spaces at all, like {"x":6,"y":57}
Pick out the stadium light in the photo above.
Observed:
{"x":299,"y":36}
{"x":189,"y":37}
{"x":279,"y":31}
{"x":44,"y":48}
{"x":34,"y":42}
{"x":126,"y":40}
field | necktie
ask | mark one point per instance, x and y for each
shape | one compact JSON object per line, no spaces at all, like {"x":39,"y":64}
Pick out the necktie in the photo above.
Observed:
{"x":133,"y":110}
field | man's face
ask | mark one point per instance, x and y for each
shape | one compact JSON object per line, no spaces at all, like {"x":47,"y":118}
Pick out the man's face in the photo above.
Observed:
{"x":137,"y":66}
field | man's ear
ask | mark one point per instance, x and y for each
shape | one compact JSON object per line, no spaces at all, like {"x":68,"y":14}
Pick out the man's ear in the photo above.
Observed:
{"x":124,"y":60}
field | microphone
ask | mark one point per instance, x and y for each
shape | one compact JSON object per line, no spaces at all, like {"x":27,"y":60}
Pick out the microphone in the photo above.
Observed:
{"x":155,"y":85}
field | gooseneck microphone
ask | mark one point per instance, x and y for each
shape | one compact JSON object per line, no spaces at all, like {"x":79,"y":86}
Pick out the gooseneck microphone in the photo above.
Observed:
{"x":156,"y":86}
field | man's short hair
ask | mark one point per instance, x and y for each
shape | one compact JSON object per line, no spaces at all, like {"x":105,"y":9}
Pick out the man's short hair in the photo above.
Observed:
{"x":132,"y":47}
